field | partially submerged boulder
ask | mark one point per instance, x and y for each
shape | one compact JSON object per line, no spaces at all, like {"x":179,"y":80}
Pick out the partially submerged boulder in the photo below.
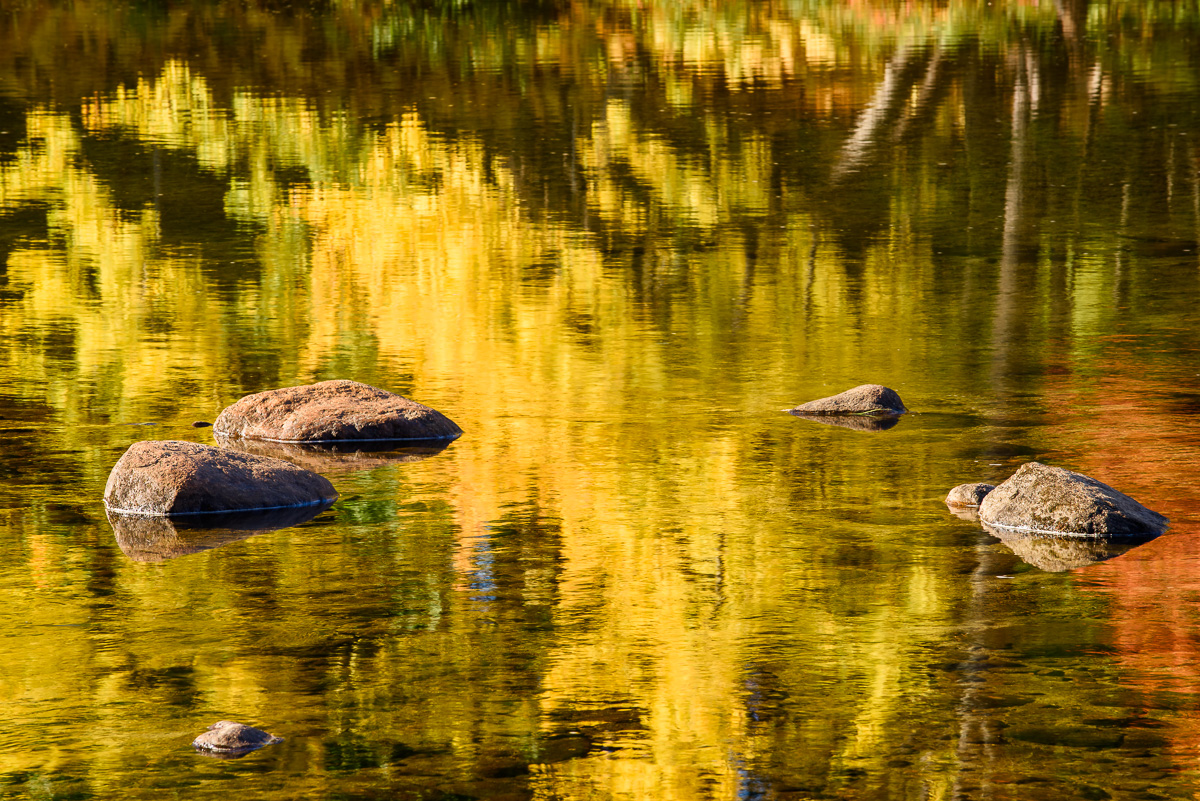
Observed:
{"x":872,"y":399}
{"x":968,"y":495}
{"x":184,"y":478}
{"x":145,"y":538}
{"x":333,"y":411}
{"x":229,"y":737}
{"x":1052,"y":500}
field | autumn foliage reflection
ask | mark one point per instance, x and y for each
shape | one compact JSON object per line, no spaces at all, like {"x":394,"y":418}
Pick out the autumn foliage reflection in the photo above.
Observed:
{"x":725,"y":208}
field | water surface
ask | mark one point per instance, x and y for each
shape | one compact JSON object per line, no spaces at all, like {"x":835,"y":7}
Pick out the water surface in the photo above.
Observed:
{"x":612,"y":241}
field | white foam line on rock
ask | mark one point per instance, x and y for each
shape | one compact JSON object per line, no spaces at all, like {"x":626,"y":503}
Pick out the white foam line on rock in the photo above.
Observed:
{"x":376,"y":439}
{"x":1072,"y":534}
{"x":142,"y":513}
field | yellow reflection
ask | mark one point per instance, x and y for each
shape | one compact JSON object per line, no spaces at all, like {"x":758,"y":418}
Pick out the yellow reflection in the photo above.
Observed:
{"x":410,"y":248}
{"x":420,"y":243}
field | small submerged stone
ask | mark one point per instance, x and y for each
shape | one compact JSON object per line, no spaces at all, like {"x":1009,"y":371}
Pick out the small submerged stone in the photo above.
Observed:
{"x":1068,"y":736}
{"x":968,"y":495}
{"x":874,"y":399}
{"x":1051,"y":500}
{"x":229,"y":737}
{"x":184,"y":478}
{"x":333,"y":411}
{"x":201,"y":424}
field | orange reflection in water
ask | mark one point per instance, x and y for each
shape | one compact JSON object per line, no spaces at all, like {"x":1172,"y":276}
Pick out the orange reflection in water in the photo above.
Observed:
{"x":1133,"y":439}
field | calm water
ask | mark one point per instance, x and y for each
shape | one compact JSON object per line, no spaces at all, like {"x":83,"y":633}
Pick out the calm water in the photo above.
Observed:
{"x":612,"y":240}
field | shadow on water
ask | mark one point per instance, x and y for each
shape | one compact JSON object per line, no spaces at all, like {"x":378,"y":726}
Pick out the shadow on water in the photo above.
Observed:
{"x":857,"y":422}
{"x":157,"y":539}
{"x":1056,"y":554}
{"x":339,"y":457}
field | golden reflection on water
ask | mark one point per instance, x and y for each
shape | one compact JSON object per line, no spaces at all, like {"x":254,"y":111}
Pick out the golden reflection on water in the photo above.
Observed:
{"x":629,"y":522}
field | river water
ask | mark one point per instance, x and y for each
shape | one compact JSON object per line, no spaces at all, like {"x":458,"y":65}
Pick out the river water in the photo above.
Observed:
{"x":612,"y":241}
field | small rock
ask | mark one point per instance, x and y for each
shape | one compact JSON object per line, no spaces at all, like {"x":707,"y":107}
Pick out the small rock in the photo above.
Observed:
{"x":180,"y":478}
{"x":1052,"y":500}
{"x":228,"y":737}
{"x":865,"y":399}
{"x":333,"y":411}
{"x":563,"y":748}
{"x":968,"y":494}
{"x":201,"y":424}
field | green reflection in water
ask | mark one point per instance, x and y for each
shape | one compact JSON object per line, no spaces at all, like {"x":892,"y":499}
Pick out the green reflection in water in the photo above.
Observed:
{"x":612,"y":241}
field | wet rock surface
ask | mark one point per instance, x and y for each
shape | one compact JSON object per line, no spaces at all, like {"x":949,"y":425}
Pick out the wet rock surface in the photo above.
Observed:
{"x":338,"y":457}
{"x":157,"y":539}
{"x":230,"y":737}
{"x":1040,"y":498}
{"x":968,"y":495}
{"x":184,"y":478}
{"x":333,"y":411}
{"x":865,"y":399}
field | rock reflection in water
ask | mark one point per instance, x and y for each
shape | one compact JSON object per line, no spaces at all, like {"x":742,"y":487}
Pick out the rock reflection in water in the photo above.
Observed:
{"x":965,"y":512}
{"x":157,"y":539}
{"x":859,"y":422}
{"x":1055,"y":554}
{"x":339,"y":457}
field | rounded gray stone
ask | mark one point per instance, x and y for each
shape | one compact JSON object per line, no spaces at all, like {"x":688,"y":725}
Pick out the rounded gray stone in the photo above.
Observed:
{"x":864,"y":399}
{"x":230,"y":737}
{"x":1056,"y":501}
{"x":968,"y":495}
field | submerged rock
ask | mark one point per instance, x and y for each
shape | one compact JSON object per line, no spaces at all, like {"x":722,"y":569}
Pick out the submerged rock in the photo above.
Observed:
{"x":228,"y":737}
{"x":968,"y":495}
{"x":1052,"y":500}
{"x":865,"y":399}
{"x":338,"y":457}
{"x":333,"y":411}
{"x":183,"y":478}
{"x":158,"y":538}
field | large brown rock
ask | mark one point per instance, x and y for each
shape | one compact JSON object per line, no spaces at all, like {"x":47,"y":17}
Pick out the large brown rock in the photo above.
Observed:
{"x":333,"y":411}
{"x":157,"y":538}
{"x":1057,"y":501}
{"x":226,"y":736}
{"x":865,"y":399}
{"x":181,"y":478}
